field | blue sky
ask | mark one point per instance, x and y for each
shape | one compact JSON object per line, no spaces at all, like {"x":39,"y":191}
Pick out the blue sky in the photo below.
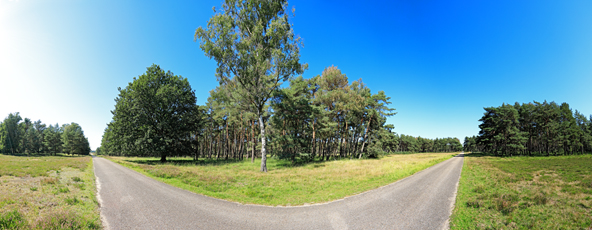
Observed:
{"x":441,"y":62}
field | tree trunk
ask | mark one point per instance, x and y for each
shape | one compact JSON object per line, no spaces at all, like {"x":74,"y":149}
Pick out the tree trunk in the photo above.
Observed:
{"x":162,"y":157}
{"x":240,"y":144}
{"x":344,"y":140}
{"x":263,"y":153}
{"x":254,"y":143}
{"x":365,"y":137}
{"x":312,"y":149}
{"x":218,"y":147}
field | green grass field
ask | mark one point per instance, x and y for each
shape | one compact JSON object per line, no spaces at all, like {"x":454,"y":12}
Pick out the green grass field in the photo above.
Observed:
{"x":47,"y":193}
{"x":284,"y":184}
{"x":524,"y":193}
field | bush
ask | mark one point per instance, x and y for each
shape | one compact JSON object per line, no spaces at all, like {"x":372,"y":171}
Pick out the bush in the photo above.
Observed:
{"x":374,"y":151}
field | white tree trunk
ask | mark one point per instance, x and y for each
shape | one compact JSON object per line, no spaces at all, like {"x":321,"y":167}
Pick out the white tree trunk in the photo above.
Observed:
{"x":263,"y":152}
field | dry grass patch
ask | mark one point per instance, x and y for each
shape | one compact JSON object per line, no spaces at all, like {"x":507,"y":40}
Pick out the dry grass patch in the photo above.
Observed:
{"x":61,"y":198}
{"x":284,"y":184}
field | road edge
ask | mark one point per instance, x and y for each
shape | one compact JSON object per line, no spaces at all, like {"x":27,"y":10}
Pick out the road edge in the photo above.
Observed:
{"x":99,"y":200}
{"x":446,"y":225}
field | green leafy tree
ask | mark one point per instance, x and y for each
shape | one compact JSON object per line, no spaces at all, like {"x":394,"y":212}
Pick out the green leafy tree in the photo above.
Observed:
{"x":10,"y":134}
{"x":74,"y":141}
{"x":52,"y":139}
{"x":156,"y":115}
{"x":254,"y":44}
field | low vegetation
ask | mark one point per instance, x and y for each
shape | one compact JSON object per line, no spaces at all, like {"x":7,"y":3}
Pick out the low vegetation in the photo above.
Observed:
{"x":47,"y":193}
{"x":524,"y":193}
{"x":284,"y":184}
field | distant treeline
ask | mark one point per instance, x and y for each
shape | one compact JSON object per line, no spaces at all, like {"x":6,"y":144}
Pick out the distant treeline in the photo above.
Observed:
{"x":324,"y":117}
{"x":423,"y":145}
{"x":18,"y":136}
{"x":532,"y":129}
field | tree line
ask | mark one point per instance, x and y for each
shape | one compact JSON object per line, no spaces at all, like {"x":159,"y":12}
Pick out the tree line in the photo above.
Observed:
{"x":324,"y":117}
{"x":532,"y":129}
{"x":18,"y":136}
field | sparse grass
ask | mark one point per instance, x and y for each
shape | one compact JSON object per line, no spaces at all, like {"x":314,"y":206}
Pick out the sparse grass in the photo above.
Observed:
{"x":284,"y":184}
{"x":43,"y":193}
{"x":20,"y":166}
{"x":524,"y":193}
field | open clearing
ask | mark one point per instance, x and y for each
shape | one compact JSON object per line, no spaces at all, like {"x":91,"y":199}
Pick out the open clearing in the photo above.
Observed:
{"x":47,"y":193}
{"x":524,"y":193}
{"x":284,"y":184}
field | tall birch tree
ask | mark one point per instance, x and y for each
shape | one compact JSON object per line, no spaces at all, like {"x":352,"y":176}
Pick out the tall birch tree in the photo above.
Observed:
{"x":253,"y":43}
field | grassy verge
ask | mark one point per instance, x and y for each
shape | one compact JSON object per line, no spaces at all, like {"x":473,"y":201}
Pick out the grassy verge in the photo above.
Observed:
{"x":524,"y":193}
{"x":284,"y":184}
{"x":47,"y":193}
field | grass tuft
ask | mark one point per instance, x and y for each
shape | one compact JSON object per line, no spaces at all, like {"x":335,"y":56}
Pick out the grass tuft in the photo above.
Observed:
{"x":72,"y":201}
{"x":12,"y":220}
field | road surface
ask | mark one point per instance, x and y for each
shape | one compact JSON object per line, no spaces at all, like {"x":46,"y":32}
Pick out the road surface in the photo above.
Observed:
{"x":130,"y":200}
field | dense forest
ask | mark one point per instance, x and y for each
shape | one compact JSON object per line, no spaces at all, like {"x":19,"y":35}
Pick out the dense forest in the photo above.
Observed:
{"x":532,"y":129}
{"x":18,"y":136}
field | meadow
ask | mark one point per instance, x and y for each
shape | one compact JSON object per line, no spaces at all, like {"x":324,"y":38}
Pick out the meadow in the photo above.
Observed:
{"x":285,"y":184}
{"x":524,"y":193}
{"x":48,"y":192}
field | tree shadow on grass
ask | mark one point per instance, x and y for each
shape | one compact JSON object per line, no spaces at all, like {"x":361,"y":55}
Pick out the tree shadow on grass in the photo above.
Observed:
{"x":479,"y":154}
{"x":184,"y":162}
{"x":271,"y":162}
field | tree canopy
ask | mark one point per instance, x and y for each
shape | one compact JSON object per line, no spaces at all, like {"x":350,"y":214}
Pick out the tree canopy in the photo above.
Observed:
{"x":532,"y":129}
{"x":155,"y":115}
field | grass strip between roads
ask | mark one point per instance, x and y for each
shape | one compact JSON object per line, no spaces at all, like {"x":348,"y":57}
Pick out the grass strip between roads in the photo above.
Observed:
{"x":48,"y":193}
{"x":524,"y":193}
{"x":284,"y":184}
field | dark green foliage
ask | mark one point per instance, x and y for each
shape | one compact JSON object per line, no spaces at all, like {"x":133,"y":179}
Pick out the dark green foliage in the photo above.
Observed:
{"x":155,"y":115}
{"x":420,"y":144}
{"x":35,"y":138}
{"x":74,"y":141}
{"x":532,"y":129}
{"x":10,"y":135}
{"x":52,"y":140}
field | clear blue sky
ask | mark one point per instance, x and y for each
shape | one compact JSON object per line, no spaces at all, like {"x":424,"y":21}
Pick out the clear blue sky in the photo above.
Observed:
{"x":441,"y":62}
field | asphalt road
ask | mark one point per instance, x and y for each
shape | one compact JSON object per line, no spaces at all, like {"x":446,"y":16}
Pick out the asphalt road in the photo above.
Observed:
{"x":130,"y":200}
